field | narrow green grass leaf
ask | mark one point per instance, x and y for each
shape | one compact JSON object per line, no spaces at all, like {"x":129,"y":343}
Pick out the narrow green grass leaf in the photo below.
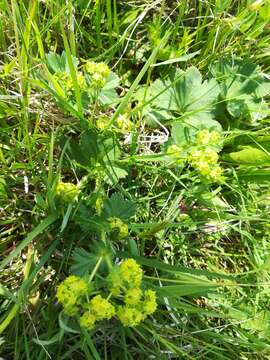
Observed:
{"x":73,"y":73}
{"x":183,"y":58}
{"x":176,"y":269}
{"x":184,"y":290}
{"x":30,"y":237}
{"x":139,"y":77}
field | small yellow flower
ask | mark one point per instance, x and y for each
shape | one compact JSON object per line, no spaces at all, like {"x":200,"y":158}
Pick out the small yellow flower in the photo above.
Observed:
{"x":87,"y":320}
{"x":102,"y":308}
{"x":203,"y":168}
{"x":103,"y":69}
{"x":133,"y":296}
{"x":124,"y":123}
{"x":203,"y":137}
{"x":129,"y":316}
{"x":131,"y":273}
{"x":91,"y":67}
{"x":67,"y":83}
{"x":150,"y":302}
{"x":115,"y":281}
{"x":72,"y":285}
{"x":102,"y":122}
{"x":98,"y":80}
{"x":195,"y":156}
{"x":81,"y":81}
{"x":119,"y":225}
{"x":70,"y":292}
{"x":66,"y":192}
{"x":216,"y":174}
{"x":99,"y":72}
{"x":174,"y":150}
{"x":214,"y":137}
{"x":210,"y":155}
{"x":123,"y":231}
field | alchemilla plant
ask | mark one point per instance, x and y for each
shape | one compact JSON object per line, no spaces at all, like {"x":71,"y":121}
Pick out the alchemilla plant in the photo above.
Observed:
{"x":134,"y":180}
{"x":125,"y":299}
{"x":202,"y":155}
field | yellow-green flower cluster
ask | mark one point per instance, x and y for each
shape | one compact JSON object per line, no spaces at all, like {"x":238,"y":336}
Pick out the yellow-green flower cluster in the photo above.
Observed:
{"x":202,"y":156}
{"x":67,"y":83}
{"x":99,"y":73}
{"x":138,"y":305}
{"x":97,"y":309}
{"x":123,"y":122}
{"x":70,"y":293}
{"x":102,"y":308}
{"x":88,"y":320}
{"x":126,"y":276}
{"x":206,"y":137}
{"x":124,"y":283}
{"x":133,"y":296}
{"x":129,"y":316}
{"x":150,"y":302}
{"x":205,"y":158}
{"x":102,"y":122}
{"x":115,"y":281}
{"x":176,"y":153}
{"x":205,"y":161}
{"x":66,"y":191}
{"x":137,"y":309}
{"x":118,"y":225}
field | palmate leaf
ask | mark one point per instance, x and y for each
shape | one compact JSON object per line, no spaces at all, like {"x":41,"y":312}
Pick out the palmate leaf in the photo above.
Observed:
{"x":98,"y":149}
{"x":83,"y":262}
{"x":108,"y":94}
{"x":117,"y":206}
{"x":58,"y":63}
{"x":186,"y":94}
{"x":184,"y":132}
{"x":86,"y":151}
{"x":111,"y":153}
{"x":152,"y":116}
{"x":243,"y":87}
{"x":92,"y":224}
{"x":114,"y":173}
